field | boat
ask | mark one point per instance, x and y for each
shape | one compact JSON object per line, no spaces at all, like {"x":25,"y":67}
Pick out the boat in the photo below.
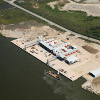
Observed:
{"x":51,"y":73}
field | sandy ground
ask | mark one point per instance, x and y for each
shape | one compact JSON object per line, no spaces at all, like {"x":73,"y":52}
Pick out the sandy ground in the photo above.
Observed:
{"x":52,"y":4}
{"x":92,"y":1}
{"x":96,"y":85}
{"x":29,"y":30}
{"x":93,"y":86}
{"x":91,"y":7}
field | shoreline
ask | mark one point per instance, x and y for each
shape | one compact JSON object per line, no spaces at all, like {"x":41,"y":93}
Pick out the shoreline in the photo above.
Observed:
{"x":88,"y":86}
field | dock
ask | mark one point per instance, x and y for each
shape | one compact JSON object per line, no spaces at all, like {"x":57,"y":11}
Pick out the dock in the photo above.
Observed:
{"x":44,"y":56}
{"x":72,"y":72}
{"x":54,"y":75}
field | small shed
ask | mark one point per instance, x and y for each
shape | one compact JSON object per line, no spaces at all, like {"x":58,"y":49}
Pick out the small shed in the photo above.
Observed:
{"x":72,"y":59}
{"x":95,"y":73}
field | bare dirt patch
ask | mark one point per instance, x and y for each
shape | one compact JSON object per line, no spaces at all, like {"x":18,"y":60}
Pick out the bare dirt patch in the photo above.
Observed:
{"x":91,"y":7}
{"x":96,"y":85}
{"x":59,"y":2}
{"x":92,"y":1}
{"x":96,"y":81}
{"x":28,"y":30}
{"x":90,"y":49}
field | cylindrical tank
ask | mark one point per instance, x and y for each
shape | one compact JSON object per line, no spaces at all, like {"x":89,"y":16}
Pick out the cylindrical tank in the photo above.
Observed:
{"x":68,"y":44}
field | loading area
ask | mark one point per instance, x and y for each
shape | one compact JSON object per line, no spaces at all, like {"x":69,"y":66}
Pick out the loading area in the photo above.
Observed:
{"x":64,"y":56}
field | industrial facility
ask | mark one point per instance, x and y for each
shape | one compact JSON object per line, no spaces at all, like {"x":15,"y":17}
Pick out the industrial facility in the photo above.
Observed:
{"x":72,"y":59}
{"x":62,"y":51}
{"x":59,"y":54}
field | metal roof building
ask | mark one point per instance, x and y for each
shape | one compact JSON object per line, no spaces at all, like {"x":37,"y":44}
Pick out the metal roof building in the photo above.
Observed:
{"x":46,"y":45}
{"x":60,"y":50}
{"x":71,"y":59}
{"x":95,"y":73}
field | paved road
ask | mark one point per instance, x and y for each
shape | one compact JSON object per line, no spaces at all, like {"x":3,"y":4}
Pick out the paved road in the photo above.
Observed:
{"x":50,"y":22}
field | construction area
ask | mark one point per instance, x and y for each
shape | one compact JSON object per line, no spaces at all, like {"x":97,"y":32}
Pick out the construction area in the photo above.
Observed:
{"x":52,"y":52}
{"x":66,"y":57}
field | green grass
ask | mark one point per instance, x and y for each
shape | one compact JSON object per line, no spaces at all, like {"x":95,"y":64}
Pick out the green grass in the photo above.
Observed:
{"x":14,"y":16}
{"x":74,"y":20}
{"x":1,"y":2}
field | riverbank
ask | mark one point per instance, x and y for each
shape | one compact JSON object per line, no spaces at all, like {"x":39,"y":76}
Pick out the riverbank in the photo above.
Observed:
{"x":92,"y":86}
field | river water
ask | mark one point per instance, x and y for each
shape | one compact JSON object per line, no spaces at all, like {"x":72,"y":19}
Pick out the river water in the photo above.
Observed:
{"x":23,"y":77}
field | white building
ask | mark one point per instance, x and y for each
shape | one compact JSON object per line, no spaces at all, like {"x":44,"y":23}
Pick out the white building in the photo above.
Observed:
{"x":72,"y":59}
{"x":62,"y":50}
{"x":95,"y":73}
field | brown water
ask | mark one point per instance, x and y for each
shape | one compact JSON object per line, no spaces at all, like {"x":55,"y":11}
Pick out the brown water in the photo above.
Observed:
{"x":23,"y":77}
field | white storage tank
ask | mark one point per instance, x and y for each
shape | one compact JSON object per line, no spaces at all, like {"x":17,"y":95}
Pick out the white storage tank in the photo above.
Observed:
{"x":65,"y":44}
{"x":68,"y":43}
{"x":55,"y":41}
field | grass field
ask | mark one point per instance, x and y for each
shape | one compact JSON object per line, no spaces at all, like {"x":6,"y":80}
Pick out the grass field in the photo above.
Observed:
{"x":13,"y":16}
{"x":74,"y":20}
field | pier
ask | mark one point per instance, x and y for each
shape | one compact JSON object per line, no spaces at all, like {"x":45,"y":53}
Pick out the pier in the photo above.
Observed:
{"x":46,"y":57}
{"x":55,"y":56}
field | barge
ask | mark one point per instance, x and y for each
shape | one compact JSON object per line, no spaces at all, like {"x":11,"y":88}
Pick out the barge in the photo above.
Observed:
{"x":51,"y":73}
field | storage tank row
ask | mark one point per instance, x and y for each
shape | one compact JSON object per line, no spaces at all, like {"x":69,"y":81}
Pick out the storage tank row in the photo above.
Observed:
{"x":61,"y":50}
{"x":51,"y":42}
{"x":67,"y":51}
